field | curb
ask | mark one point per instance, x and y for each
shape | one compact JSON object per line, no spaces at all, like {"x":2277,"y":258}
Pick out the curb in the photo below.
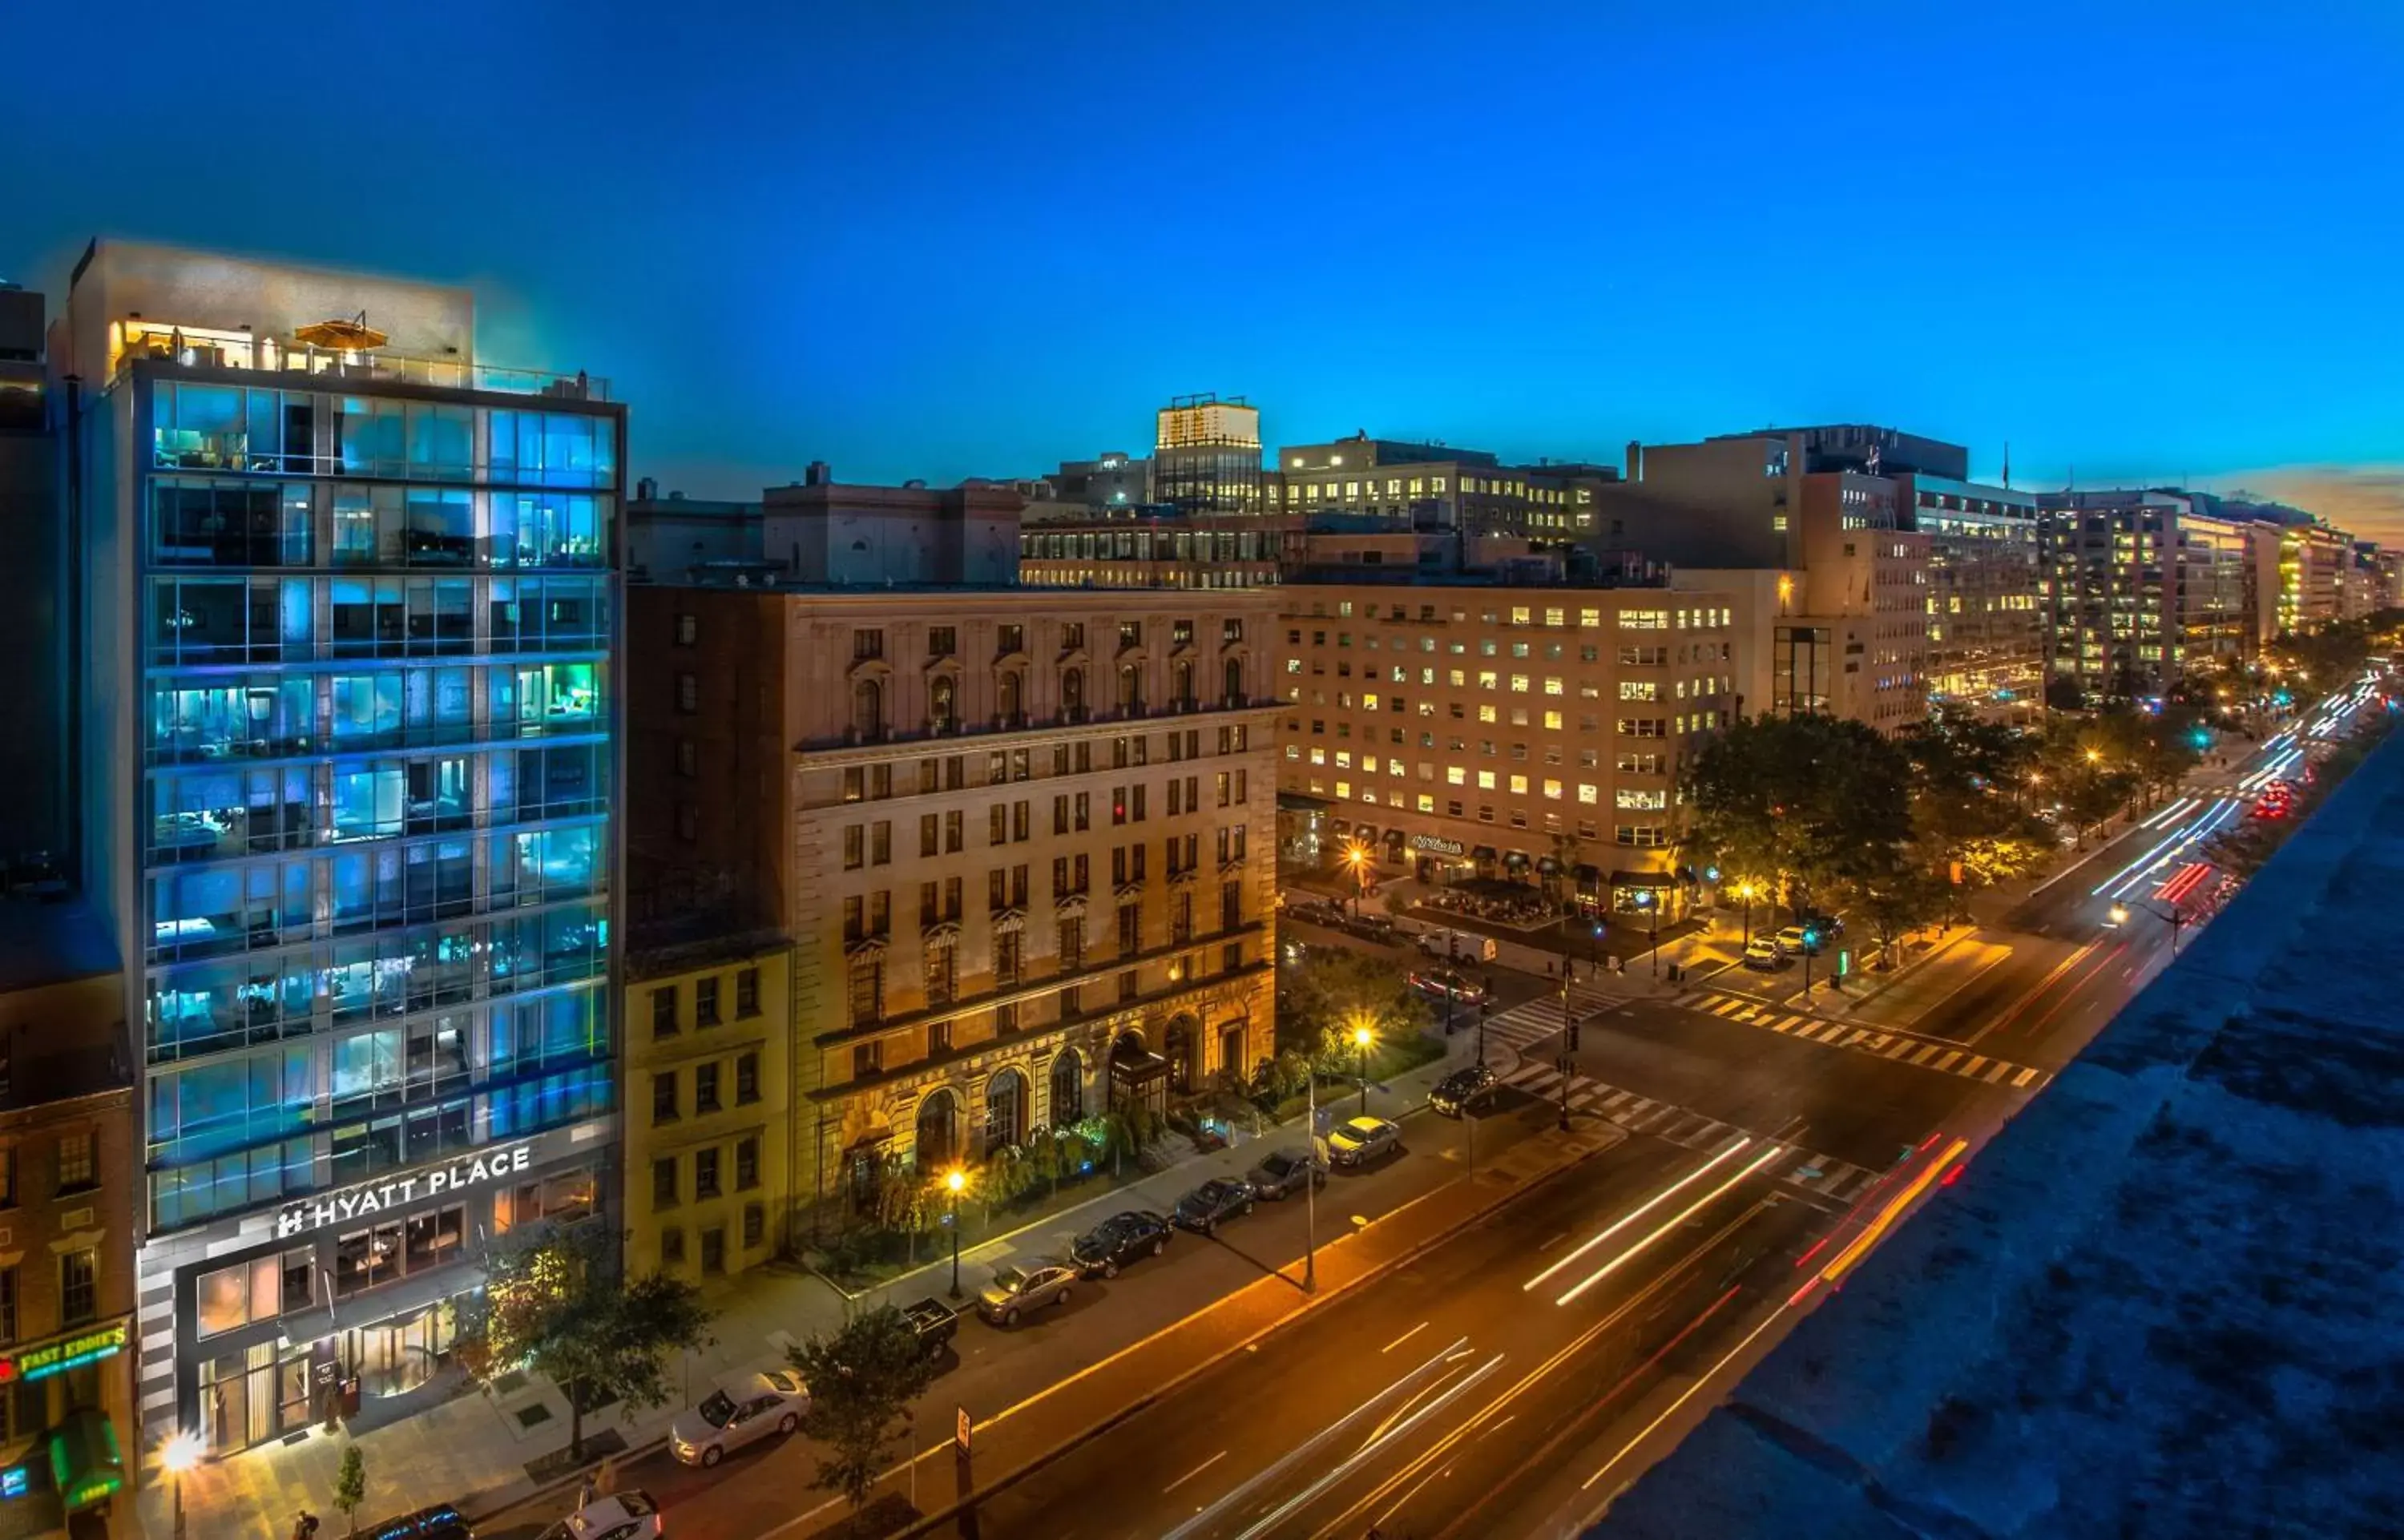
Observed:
{"x":933,"y":1522}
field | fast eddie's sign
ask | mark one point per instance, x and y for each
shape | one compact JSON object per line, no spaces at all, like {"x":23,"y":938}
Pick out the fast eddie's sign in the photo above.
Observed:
{"x":374,"y":1197}
{"x":1437,"y":845}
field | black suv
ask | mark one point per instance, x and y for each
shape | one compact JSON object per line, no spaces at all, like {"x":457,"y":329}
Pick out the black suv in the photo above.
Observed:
{"x":1116,"y":1241}
{"x":1460,"y":1090}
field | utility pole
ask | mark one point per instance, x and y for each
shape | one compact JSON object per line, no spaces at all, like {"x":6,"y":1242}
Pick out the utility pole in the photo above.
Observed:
{"x":1310,"y":1186}
{"x":1569,"y":1042}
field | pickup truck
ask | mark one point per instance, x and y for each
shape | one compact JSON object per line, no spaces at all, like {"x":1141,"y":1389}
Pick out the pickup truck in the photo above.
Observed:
{"x":935,"y":1323}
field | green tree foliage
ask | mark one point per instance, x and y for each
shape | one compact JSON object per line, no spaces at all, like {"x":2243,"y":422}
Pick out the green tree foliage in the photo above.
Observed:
{"x":1320,"y":1003}
{"x":1811,"y":806}
{"x":1969,"y":814}
{"x":351,"y":1485}
{"x":861,"y":1379}
{"x":553,"y":1300}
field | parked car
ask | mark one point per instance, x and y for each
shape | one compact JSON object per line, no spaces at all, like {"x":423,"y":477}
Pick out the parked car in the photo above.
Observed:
{"x":1362,"y":1140}
{"x":616,"y":1516}
{"x":1462,"y":1089}
{"x":1116,"y":1241}
{"x":1764,"y":952}
{"x":1281,"y":1174}
{"x":743,"y":1409}
{"x":1030,"y":1285}
{"x":440,"y":1522}
{"x":935,"y":1323}
{"x":1220,"y":1198}
{"x":1790,"y":941}
{"x":1436,"y":983}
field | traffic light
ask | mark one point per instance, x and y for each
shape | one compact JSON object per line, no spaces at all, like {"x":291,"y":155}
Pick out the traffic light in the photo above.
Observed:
{"x":1811,"y":940}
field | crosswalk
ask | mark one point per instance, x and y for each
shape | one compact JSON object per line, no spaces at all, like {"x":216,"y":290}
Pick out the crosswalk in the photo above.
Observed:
{"x":1532,"y":1032}
{"x":1920,"y":1052}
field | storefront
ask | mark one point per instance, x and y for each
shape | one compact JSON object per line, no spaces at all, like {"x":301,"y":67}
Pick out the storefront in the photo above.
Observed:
{"x":345,"y":1306}
{"x":1436,"y":858}
{"x":77,"y":1463}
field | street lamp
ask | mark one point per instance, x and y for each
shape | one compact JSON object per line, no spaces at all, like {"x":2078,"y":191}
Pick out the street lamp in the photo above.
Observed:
{"x":1745,"y":890}
{"x":2173,"y":917}
{"x":955,"y":1182}
{"x":1362,"y":1039}
{"x":181,"y":1453}
{"x":1356,"y":856}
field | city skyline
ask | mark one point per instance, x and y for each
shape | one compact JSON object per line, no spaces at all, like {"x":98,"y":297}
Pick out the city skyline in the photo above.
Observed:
{"x":803,"y":252}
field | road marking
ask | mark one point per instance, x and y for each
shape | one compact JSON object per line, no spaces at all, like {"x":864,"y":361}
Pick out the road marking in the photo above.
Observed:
{"x":1555,"y":1242}
{"x":1998,"y":1073}
{"x":1924,"y":1054}
{"x":1404,"y":1338}
{"x":1976,"y":1062}
{"x":2022,"y":1078}
{"x":1199,"y":1469}
{"x":1950,"y":1060}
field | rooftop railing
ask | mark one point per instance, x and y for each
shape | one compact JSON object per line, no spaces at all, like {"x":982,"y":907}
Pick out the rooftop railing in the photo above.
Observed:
{"x":267,"y":355}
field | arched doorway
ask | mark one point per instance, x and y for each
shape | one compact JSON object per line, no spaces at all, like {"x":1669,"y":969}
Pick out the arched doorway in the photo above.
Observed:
{"x":1181,"y":684}
{"x":1068,"y":1088}
{"x":1072,"y":693}
{"x":1182,"y":1046}
{"x":868,"y":710}
{"x":942,"y":697}
{"x":938,"y":1138}
{"x":1005,"y":1110}
{"x":1234,"y":679}
{"x":1138,"y":1077}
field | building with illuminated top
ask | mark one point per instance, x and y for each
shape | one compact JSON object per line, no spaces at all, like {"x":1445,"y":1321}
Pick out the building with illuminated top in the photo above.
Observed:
{"x":348,"y":630}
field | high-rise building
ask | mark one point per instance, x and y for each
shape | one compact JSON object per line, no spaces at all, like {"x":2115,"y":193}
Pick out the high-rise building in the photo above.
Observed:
{"x":2313,"y":560}
{"x":2142,"y":587}
{"x":1206,"y":455}
{"x":36,"y":821}
{"x":1020,"y":838}
{"x":1487,"y":724}
{"x":1435,"y":485}
{"x":1986,"y":621}
{"x":348,"y":601}
{"x":1824,"y":507}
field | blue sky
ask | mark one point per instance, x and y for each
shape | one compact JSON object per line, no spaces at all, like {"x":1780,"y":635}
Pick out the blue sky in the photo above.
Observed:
{"x":945,"y":240}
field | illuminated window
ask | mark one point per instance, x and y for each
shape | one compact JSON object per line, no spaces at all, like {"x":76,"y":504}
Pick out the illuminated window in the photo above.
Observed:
{"x":1317,"y":756}
{"x":1553,"y":720}
{"x":1519,"y":614}
{"x":1518,"y":684}
{"x":1556,"y":617}
{"x":1489,"y":679}
{"x":1588,"y":793}
{"x":1519,"y":786}
{"x":1485,"y":780}
{"x":1628,"y":797}
{"x":1455,"y":775}
{"x":1343,"y":789}
{"x":1553,"y":790}
{"x":1640,"y":690}
{"x":1427,"y":804}
{"x":1487,"y":713}
{"x":1552,"y":685}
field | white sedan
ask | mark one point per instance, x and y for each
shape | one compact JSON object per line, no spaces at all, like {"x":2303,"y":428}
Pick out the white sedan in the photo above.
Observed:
{"x":743,"y":1409}
{"x":618,"y":1515}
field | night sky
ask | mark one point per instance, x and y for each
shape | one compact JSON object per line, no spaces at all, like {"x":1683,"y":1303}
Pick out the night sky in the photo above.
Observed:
{"x":940,"y":241}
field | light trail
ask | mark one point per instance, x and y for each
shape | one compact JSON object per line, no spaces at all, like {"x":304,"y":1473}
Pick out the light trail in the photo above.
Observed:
{"x":2168,"y":812}
{"x":1860,"y":1248}
{"x":1663,"y":1197}
{"x":1693,"y":1209}
{"x":2180,"y":838}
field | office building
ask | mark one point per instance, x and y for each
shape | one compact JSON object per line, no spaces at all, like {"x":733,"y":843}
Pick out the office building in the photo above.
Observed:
{"x":669,"y":538}
{"x":35,"y":814}
{"x":1020,"y":838}
{"x":708,"y":1068}
{"x":1206,"y":455}
{"x":2142,"y":587}
{"x":1433,"y":485}
{"x":1114,"y":480}
{"x":70,"y":1177}
{"x":1826,"y":508}
{"x":348,"y":623}
{"x":2313,"y":560}
{"x":1986,"y":625}
{"x":1480,"y":726}
{"x":1157,"y":549}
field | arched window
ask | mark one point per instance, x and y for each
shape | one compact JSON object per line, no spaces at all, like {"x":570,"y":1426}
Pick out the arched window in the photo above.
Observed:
{"x":868,"y":710}
{"x":1072,"y":693}
{"x":1181,"y":682}
{"x":1010,"y":696}
{"x":943,"y":691}
{"x":1131,"y":690}
{"x":1235,"y":678}
{"x":938,"y":1131}
{"x":1068,"y":1088}
{"x":1005,"y":1110}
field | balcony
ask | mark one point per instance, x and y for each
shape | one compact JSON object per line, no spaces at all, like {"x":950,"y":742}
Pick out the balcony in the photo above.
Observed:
{"x":288,"y":364}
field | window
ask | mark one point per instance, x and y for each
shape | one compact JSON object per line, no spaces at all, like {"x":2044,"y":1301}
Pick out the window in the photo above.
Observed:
{"x":664,"y":1098}
{"x":79,"y":1287}
{"x":713,"y":1250}
{"x":867,"y":1060}
{"x":867,"y":642}
{"x":664,"y":1185}
{"x":746,"y":1079}
{"x":1010,"y":639}
{"x":670,"y":1245}
{"x":705,"y":1174}
{"x":688,"y":630}
{"x":705,"y":1002}
{"x":755,"y":1224}
{"x":747,"y":994}
{"x":663,"y":1011}
{"x":943,"y":641}
{"x":688,"y":693}
{"x":78,"y":1153}
{"x":746,"y":1163}
{"x":705,"y":1089}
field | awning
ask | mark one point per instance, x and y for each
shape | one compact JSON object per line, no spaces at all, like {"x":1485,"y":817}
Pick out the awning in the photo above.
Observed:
{"x":85,"y":1461}
{"x":1585,"y":873}
{"x":1484,"y":852}
{"x":1517,"y":858}
{"x":1138,"y":1069}
{"x":1302,"y":802}
{"x":1548,"y":866}
{"x":1642,"y":879}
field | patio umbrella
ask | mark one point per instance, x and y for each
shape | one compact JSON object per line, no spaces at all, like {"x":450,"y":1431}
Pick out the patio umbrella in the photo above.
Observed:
{"x":352,"y":335}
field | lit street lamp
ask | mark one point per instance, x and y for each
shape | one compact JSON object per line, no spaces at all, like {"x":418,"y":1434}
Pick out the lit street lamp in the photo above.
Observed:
{"x":1745,"y":890}
{"x":955,"y":1181}
{"x":181,"y":1453}
{"x":1362,"y":1039}
{"x":1356,"y":856}
{"x":2173,"y":917}
{"x":1653,"y":928}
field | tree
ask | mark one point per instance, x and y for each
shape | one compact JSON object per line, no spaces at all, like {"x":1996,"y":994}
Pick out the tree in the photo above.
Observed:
{"x":2063,"y":693}
{"x":1810,"y":802}
{"x":351,"y":1485}
{"x":554,"y":1301}
{"x":1899,"y":900}
{"x":1320,"y":1005}
{"x":861,"y":1379}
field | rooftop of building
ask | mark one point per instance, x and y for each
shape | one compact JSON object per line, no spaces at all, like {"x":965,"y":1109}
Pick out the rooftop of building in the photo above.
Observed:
{"x":658,"y":950}
{"x":2163,"y":1300}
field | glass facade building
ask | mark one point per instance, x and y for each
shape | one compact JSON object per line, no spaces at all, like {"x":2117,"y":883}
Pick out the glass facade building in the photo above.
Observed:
{"x":360,"y":615}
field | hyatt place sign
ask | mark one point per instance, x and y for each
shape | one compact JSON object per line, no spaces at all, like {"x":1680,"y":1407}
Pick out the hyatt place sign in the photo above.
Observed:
{"x":374,"y":1197}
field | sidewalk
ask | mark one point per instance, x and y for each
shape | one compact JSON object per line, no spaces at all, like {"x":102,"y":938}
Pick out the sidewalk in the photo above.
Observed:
{"x":474,"y":1448}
